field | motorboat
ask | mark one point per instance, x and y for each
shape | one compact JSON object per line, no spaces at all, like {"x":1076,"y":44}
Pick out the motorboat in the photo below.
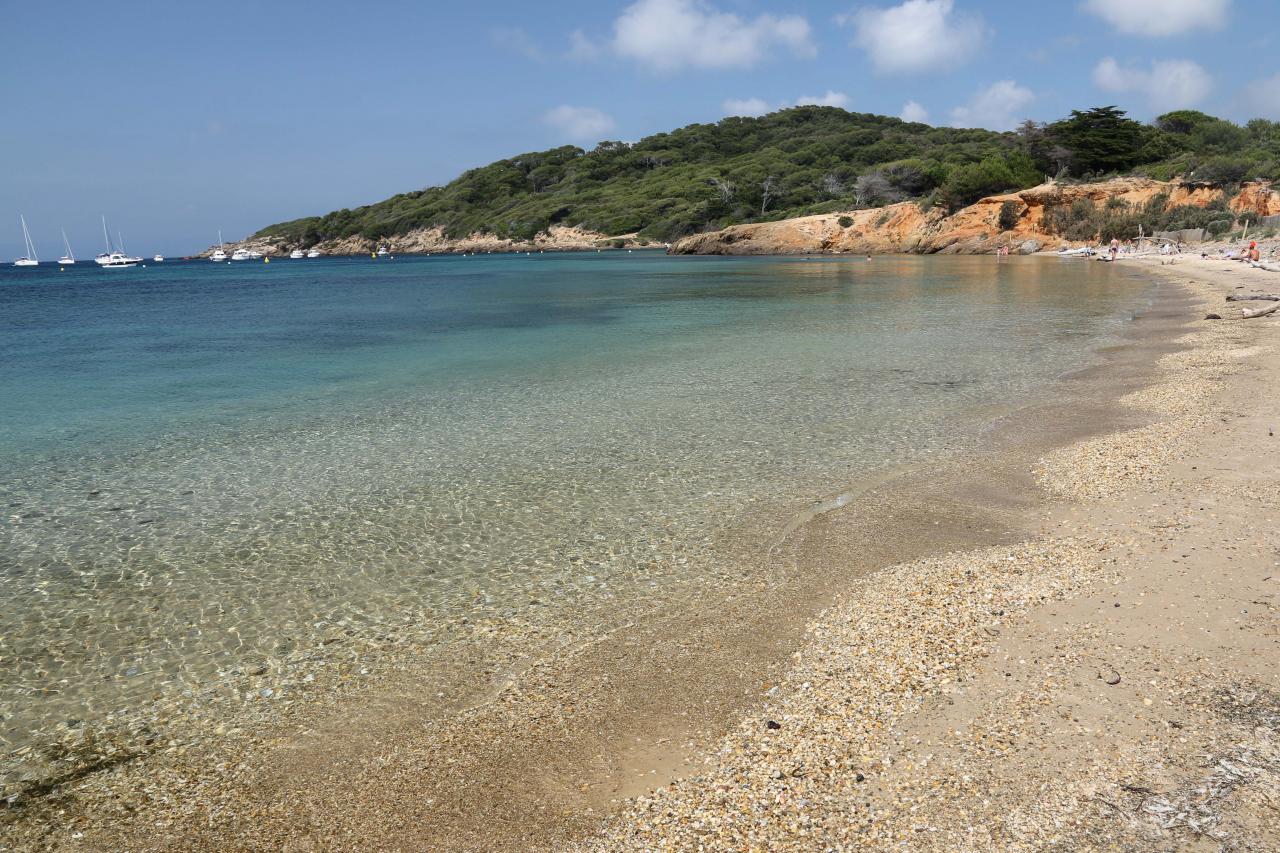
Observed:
{"x":29,"y":259}
{"x":116,"y":261}
{"x":314,"y":253}
{"x":240,"y":255}
{"x":383,"y":251}
{"x":157,"y":258}
{"x":296,"y":254}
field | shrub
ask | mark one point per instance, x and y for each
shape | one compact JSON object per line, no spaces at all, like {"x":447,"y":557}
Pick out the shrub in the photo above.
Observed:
{"x":1222,"y":170}
{"x":968,"y":183}
{"x":1218,"y":227}
{"x":1009,"y":214}
{"x":845,"y":221}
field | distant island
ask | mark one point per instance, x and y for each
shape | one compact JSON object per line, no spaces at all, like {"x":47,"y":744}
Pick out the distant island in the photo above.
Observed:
{"x":826,"y":162}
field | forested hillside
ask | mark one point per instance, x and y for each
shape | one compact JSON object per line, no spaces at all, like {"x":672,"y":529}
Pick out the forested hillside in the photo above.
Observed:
{"x":798,"y":161}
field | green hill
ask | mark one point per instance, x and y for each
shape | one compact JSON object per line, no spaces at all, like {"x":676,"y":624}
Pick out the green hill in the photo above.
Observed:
{"x":793,"y":162}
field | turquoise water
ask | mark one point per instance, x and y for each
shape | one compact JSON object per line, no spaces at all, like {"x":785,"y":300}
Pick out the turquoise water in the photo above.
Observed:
{"x":204,"y":467}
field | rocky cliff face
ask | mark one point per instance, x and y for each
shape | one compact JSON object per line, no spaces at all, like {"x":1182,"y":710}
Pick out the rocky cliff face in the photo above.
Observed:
{"x":433,"y":240}
{"x":975,"y":229}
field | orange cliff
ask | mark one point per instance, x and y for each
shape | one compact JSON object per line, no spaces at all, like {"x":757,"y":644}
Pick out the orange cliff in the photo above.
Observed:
{"x":905,"y":228}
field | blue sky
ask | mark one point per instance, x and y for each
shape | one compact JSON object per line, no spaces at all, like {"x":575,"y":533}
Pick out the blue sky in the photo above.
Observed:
{"x":177,"y":119}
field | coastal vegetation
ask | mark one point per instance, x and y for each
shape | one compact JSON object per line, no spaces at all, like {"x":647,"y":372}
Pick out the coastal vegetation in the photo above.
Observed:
{"x":815,"y":160}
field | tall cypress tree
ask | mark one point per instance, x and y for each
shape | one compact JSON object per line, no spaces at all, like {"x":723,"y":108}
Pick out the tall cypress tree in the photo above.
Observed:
{"x":1102,"y":139}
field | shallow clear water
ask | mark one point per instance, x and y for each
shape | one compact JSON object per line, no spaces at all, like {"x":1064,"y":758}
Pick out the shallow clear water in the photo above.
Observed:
{"x":204,"y":466}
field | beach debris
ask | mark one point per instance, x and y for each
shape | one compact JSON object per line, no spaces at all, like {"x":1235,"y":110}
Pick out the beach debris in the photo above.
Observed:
{"x":1213,"y":316}
{"x":1259,"y":312}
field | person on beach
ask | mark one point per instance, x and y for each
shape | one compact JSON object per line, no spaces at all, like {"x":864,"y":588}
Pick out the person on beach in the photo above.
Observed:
{"x":1254,"y":254}
{"x":1115,"y":248}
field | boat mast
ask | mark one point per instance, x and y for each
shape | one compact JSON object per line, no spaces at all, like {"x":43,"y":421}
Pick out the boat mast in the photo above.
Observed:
{"x":67,"y":244}
{"x":26,"y":238}
{"x":106,"y":238}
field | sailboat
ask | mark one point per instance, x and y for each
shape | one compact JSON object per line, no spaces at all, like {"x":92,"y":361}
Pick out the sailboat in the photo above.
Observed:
{"x":29,"y":259}
{"x":69,"y":257}
{"x":130,"y":258}
{"x":219,"y":256}
{"x":113,"y":259}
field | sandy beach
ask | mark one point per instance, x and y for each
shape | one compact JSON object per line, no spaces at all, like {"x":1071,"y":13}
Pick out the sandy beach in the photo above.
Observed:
{"x":1061,"y":642}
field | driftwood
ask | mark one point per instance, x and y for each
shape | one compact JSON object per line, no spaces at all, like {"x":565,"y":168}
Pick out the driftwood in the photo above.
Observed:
{"x":1260,"y":312}
{"x":1258,"y":297}
{"x":1262,"y":265}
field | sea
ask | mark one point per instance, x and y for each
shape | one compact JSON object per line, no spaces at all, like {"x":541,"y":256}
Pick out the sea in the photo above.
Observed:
{"x":211,"y":470}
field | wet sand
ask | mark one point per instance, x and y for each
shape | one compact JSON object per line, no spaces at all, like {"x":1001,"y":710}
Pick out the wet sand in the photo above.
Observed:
{"x":571,"y":731}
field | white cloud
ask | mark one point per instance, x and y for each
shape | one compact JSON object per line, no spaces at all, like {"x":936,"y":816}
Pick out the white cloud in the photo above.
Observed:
{"x":746,"y":107}
{"x":912,"y":111}
{"x":830,"y":99}
{"x":919,"y":35}
{"x":668,"y":35}
{"x":1169,"y":84}
{"x":998,"y":107}
{"x":516,"y":40}
{"x":1262,"y":98}
{"x":1160,"y":17}
{"x":580,"y":124}
{"x":582,"y":47}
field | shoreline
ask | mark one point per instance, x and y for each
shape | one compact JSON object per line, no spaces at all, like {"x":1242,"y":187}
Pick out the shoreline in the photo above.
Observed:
{"x":1084,"y":690}
{"x":745,"y":629}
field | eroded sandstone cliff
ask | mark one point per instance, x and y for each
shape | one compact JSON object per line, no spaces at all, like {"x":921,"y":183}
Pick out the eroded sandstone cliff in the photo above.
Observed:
{"x":904,"y":227}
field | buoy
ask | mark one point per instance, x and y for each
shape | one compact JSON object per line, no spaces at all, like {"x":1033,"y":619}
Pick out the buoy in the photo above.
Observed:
{"x":266,"y":260}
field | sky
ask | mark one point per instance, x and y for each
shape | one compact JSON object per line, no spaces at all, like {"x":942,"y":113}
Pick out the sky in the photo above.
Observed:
{"x":176,"y":120}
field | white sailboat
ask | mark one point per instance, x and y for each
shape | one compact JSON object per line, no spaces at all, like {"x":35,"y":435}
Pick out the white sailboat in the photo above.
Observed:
{"x":219,"y":255}
{"x":29,"y":259}
{"x":130,"y":258}
{"x":113,"y":258}
{"x":69,"y":258}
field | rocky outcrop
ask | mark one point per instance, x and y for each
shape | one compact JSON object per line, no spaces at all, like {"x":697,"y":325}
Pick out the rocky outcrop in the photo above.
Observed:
{"x":905,"y":228}
{"x":434,"y":241}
